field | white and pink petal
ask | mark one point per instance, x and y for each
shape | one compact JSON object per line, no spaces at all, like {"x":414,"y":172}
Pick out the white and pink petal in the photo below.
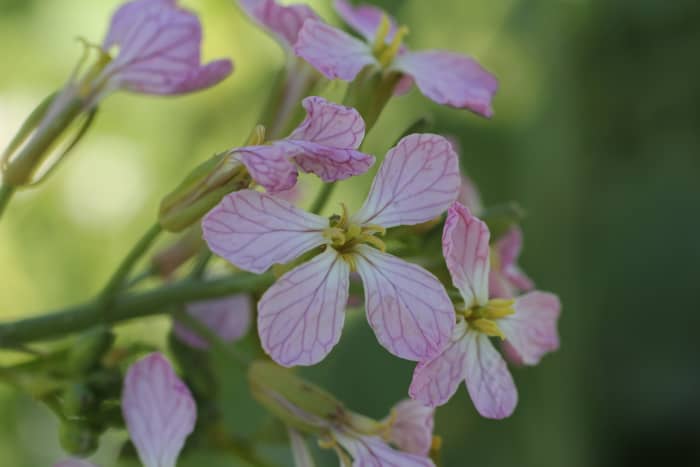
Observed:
{"x":489,"y":381}
{"x":450,"y":79}
{"x":283,"y":21}
{"x":159,"y":50}
{"x":158,"y":409}
{"x":531,"y":331}
{"x":300,"y":318}
{"x":334,"y":53}
{"x":228,"y":317}
{"x":364,"y":19}
{"x":465,"y":246}
{"x":418,"y":180}
{"x":436,"y":380}
{"x":255,"y":230}
{"x":412,"y":425}
{"x":270,"y":165}
{"x":407,"y":306}
{"x":330,"y":124}
{"x":372,"y":451}
{"x":329,"y":163}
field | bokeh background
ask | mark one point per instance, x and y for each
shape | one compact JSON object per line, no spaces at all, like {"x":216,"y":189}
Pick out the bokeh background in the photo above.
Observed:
{"x":596,"y":134}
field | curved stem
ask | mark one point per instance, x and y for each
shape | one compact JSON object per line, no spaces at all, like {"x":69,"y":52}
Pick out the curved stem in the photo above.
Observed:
{"x":6,"y":192}
{"x":124,"y":307}
{"x":119,"y":276}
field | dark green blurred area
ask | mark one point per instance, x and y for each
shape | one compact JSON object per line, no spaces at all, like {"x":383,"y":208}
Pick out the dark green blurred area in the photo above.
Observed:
{"x":596,"y":134}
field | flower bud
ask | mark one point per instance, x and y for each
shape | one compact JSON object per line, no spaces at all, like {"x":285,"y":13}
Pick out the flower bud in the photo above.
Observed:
{"x":77,"y":401}
{"x":77,"y":438}
{"x":169,"y":259}
{"x":88,"y":350}
{"x":293,"y":400}
{"x":201,"y":190}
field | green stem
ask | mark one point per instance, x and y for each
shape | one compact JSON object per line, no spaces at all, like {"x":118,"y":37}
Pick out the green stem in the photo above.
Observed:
{"x":201,"y":265}
{"x":125,"y":307}
{"x":119,"y":276}
{"x":322,"y":198}
{"x":6,"y":192}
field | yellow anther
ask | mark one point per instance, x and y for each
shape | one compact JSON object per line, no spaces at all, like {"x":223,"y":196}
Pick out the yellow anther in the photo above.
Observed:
{"x":335,"y":236}
{"x":257,"y":136}
{"x":488,"y":327}
{"x":381,"y":34}
{"x":388,"y":54}
{"x":374,"y":241}
{"x":436,"y":445}
{"x":498,"y":308}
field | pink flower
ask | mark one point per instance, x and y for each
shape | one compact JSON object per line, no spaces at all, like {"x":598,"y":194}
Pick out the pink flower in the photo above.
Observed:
{"x":444,"y":77}
{"x":228,"y":317}
{"x":325,"y":144}
{"x":301,"y":316}
{"x":158,"y":51}
{"x":411,"y":426}
{"x":283,"y":22}
{"x":159,"y":410}
{"x":527,"y":324}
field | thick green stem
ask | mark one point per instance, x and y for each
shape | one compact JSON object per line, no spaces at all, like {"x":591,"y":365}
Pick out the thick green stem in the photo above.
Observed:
{"x":127,"y":264}
{"x":125,"y":307}
{"x":6,"y":192}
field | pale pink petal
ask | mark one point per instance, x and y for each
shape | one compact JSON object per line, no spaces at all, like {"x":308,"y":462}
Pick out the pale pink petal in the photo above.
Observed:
{"x":412,"y":427}
{"x":255,"y":230}
{"x":469,"y":196}
{"x":435,"y":381}
{"x":451,"y":79}
{"x":489,"y":382}
{"x":334,"y":53}
{"x":465,"y":246}
{"x":158,"y":410}
{"x":407,"y":306}
{"x":330,"y":124}
{"x":293,"y":196}
{"x":283,"y":22}
{"x":270,"y":166}
{"x":417,"y":182}
{"x":300,"y":451}
{"x":364,"y":19}
{"x":404,"y":85}
{"x":508,"y":248}
{"x":159,"y":50}
{"x":329,"y":163}
{"x":301,"y":316}
{"x":74,"y":463}
{"x":229,"y":318}
{"x":532,"y":330}
{"x":372,"y":451}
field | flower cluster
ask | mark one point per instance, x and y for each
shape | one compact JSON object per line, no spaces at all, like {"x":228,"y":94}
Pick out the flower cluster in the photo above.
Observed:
{"x":245,"y":201}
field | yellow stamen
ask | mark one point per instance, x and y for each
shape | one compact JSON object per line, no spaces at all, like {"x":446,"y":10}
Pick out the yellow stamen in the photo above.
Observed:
{"x":335,"y":236}
{"x":388,"y":54}
{"x":488,"y":327}
{"x":374,"y":229}
{"x":498,"y":308}
{"x":257,"y":136}
{"x":374,"y":241}
{"x":381,"y":34}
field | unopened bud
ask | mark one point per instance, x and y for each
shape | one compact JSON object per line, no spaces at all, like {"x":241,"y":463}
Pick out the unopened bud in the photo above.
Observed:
{"x":88,"y":350}
{"x":77,"y":438}
{"x":203,"y":188}
{"x":170,"y":258}
{"x":295,"y":401}
{"x":78,"y":400}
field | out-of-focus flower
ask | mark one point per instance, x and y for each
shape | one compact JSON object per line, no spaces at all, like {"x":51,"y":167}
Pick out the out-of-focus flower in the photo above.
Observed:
{"x":152,"y":47}
{"x":357,"y":440}
{"x":158,"y":409}
{"x":283,"y":22}
{"x":301,"y":316}
{"x":444,"y":77}
{"x":411,"y":426}
{"x":229,"y":318}
{"x":325,"y":144}
{"x":528,"y":323}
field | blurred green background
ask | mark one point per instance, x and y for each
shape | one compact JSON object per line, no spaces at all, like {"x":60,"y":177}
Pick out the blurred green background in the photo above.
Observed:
{"x":596,"y":134}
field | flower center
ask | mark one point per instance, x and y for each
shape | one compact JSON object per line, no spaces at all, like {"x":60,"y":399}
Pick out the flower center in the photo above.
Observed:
{"x":484,"y":318}
{"x":344,"y":236}
{"x":385,"y":51}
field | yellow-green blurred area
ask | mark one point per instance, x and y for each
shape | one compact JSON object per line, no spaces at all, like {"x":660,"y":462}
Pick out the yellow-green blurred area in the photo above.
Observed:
{"x":596,"y":134}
